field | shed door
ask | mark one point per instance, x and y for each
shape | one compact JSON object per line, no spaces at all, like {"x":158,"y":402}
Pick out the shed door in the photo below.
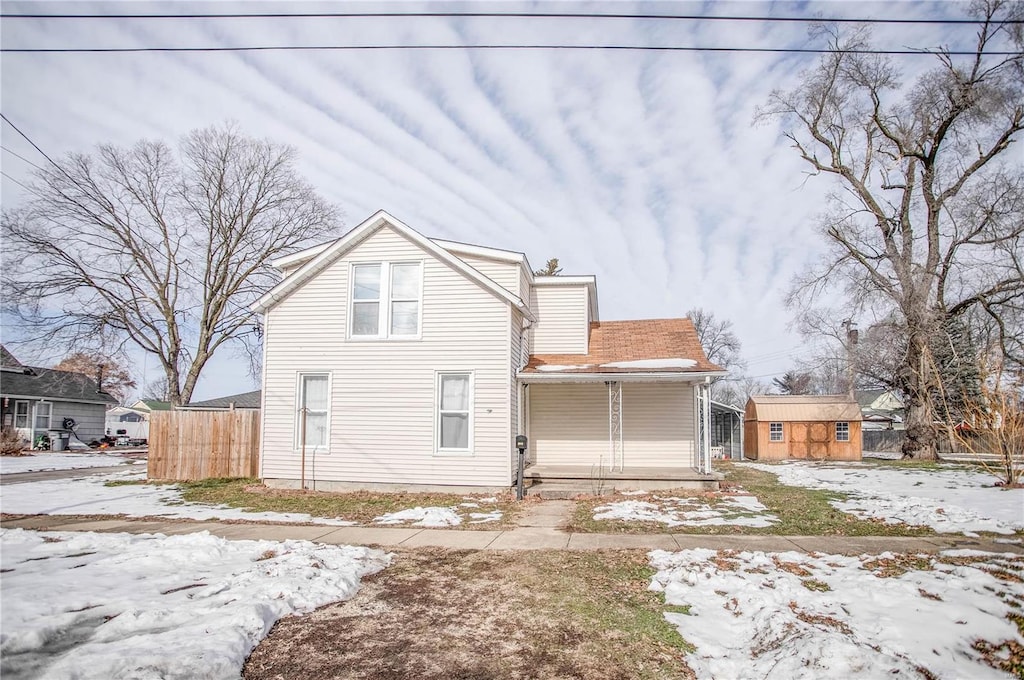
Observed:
{"x":818,"y":445}
{"x":799,"y":444}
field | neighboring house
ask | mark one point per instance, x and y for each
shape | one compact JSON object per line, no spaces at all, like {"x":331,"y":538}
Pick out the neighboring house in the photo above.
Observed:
{"x":37,"y":400}
{"x":881,"y":409}
{"x":802,"y":426}
{"x":245,"y":400}
{"x":125,"y":421}
{"x":150,"y":405}
{"x":396,"y":359}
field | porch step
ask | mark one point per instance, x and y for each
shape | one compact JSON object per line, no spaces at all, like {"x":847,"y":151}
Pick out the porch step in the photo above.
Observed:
{"x":565,"y":490}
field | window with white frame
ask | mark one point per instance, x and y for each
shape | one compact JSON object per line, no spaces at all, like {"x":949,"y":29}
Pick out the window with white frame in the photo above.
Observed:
{"x":21,"y":414}
{"x":43,"y":411}
{"x":775,"y":432}
{"x":842,"y":432}
{"x":313,"y":416}
{"x":386,"y":300}
{"x":454,"y":411}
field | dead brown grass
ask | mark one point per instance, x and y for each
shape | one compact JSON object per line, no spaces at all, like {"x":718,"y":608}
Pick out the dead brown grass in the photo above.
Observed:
{"x":438,"y":614}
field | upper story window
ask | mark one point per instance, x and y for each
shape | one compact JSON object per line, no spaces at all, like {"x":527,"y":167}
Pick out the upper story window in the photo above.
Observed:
{"x":842,"y":432}
{"x":775,"y":432}
{"x":386,"y":300}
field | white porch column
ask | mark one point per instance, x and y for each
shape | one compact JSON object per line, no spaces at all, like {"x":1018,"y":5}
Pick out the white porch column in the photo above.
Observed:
{"x":702,"y":393}
{"x":615,"y":448}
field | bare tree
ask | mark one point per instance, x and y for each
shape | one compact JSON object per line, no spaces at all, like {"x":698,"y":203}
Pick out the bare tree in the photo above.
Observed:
{"x":550,"y":269}
{"x":117,"y":380}
{"x":993,"y":425}
{"x":162,"y":250}
{"x":928,"y":220}
{"x":794,"y":382}
{"x":718,"y":339}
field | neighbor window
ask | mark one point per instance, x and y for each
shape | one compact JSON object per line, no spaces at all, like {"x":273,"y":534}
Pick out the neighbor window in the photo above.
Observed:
{"x":775,"y":432}
{"x":21,"y":414}
{"x":454,"y":411}
{"x":386,"y":300}
{"x":311,"y":426}
{"x":842,"y":432}
{"x":43,"y":410}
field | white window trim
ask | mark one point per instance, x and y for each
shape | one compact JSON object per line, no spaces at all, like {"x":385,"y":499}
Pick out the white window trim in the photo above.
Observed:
{"x":384,"y":303}
{"x":49,"y":415}
{"x":782,"y":432}
{"x":297,"y":441}
{"x":27,"y":414}
{"x":843,"y":422}
{"x":438,"y":451}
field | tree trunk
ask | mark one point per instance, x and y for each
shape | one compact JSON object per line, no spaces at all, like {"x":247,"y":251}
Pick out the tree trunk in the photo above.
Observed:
{"x":920,"y":421}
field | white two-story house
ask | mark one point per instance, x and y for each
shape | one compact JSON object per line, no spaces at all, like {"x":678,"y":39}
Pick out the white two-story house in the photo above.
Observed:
{"x":395,"y":360}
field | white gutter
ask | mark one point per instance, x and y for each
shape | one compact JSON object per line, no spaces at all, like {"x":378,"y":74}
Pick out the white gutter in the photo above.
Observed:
{"x":568,"y":377}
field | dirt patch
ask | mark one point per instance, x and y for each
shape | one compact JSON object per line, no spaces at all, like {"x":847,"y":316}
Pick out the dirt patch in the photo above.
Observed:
{"x":478,"y":615}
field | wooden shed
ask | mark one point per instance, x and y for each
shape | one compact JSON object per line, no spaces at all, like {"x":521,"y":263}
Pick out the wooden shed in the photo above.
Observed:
{"x":823,"y":427}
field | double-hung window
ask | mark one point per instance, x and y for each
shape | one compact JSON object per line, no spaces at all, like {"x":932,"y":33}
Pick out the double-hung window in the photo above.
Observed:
{"x":842,"y":432}
{"x":775,"y":432}
{"x":21,"y":414}
{"x":312,"y":421}
{"x":454,"y":412}
{"x":386,"y":300}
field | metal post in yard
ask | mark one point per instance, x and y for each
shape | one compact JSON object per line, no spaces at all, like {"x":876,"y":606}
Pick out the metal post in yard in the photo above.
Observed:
{"x":521,"y":443}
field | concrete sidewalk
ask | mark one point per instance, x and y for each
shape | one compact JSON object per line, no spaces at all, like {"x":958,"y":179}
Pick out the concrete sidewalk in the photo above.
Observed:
{"x":519,"y":538}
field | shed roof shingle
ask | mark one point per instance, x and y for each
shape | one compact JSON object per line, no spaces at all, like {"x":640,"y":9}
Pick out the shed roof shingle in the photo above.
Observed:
{"x":803,"y":408}
{"x":644,"y":340}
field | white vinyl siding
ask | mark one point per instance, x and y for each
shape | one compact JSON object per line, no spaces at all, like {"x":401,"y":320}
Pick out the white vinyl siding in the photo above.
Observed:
{"x":562,"y":314}
{"x":657,"y":424}
{"x":505,"y":274}
{"x":382,"y":395}
{"x":569,"y":424}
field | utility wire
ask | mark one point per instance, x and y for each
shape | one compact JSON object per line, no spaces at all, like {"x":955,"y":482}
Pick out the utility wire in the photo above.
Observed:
{"x":497,"y":15}
{"x":19,"y":156}
{"x":34,"y":145}
{"x":619,"y":48}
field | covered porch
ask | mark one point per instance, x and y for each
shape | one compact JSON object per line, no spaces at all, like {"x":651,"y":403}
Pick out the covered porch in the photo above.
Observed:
{"x":596,"y":434}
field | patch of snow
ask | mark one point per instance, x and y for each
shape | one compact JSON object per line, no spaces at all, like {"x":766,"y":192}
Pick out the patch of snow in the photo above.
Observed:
{"x":554,"y":367}
{"x":39,"y":462}
{"x":757,"y":620}
{"x":694,"y":512}
{"x":490,"y":499}
{"x":882,"y":455}
{"x":90,"y":496}
{"x":652,"y":363}
{"x":638,"y":492}
{"x":484,"y":517}
{"x":949,"y":500}
{"x":422,"y":517}
{"x":133,"y":606}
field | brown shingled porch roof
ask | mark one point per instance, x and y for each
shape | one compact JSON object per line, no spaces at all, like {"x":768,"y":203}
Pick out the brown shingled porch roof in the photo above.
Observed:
{"x":621,"y":341}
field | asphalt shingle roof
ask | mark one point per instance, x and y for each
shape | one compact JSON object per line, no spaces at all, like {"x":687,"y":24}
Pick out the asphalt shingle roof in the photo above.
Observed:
{"x":243,"y":400}
{"x":46,"y":383}
{"x":631,"y":341}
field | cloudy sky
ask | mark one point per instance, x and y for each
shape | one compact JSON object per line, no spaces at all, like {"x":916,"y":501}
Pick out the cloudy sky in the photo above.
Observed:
{"x":642,"y":167}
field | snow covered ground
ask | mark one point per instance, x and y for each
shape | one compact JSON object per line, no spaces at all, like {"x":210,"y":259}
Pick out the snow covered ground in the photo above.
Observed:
{"x":691,"y":511}
{"x":45,"y":460}
{"x":88,"y":605}
{"x":790,"y":615}
{"x":948,"y":499}
{"x":91,"y":496}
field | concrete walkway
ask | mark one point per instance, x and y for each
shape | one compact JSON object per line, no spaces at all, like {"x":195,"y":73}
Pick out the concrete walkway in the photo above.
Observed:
{"x":521,"y":538}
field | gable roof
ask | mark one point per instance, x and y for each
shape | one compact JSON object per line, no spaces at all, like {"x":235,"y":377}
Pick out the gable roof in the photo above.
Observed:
{"x":802,"y":407}
{"x":244,"y":400}
{"x":46,"y":383}
{"x":375,"y":222}
{"x":653,"y":346}
{"x":152,"y":405}
{"x":8,"y":360}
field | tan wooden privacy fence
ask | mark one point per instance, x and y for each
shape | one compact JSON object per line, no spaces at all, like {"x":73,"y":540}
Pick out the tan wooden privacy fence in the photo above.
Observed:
{"x":190,"y":445}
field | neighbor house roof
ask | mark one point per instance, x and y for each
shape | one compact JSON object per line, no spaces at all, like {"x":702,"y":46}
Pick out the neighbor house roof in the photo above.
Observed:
{"x":8,"y":360}
{"x":152,"y":405}
{"x":643,"y":346}
{"x":45,"y":383}
{"x":802,"y":407}
{"x":248,"y":400}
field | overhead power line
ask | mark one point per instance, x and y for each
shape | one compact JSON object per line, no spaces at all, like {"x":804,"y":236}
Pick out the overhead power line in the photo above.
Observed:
{"x":611,"y":48}
{"x":497,"y":15}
